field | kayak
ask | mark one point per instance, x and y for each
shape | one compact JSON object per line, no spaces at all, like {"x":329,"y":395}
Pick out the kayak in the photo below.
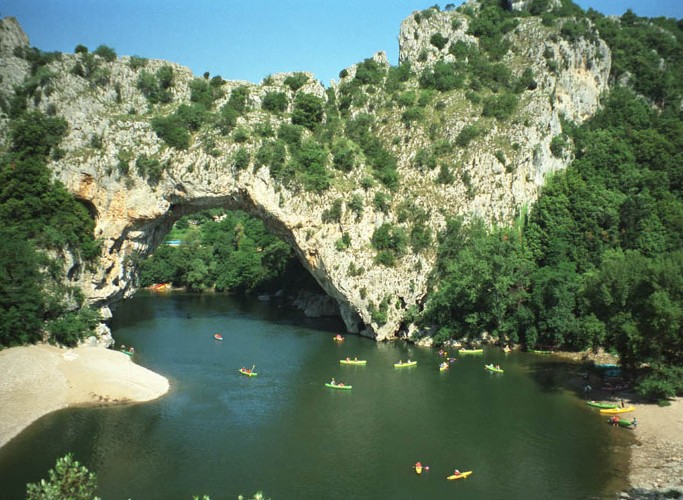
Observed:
{"x":405,"y":365}
{"x":471,"y":351}
{"x":218,"y":336}
{"x":459,"y":476}
{"x":248,"y":373}
{"x":623,"y":423}
{"x":338,"y":386}
{"x":418,"y":469}
{"x":443,"y":367}
{"x":604,"y":406}
{"x":127,"y":352}
{"x":353,"y":361}
{"x":536,"y":351}
{"x":616,"y":411}
{"x":494,"y":369}
{"x":337,"y":338}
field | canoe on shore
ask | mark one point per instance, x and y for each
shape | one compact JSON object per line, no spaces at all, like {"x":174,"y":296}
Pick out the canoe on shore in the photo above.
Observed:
{"x":353,"y":361}
{"x":338,"y":386}
{"x":492,"y":368}
{"x":616,"y":411}
{"x":405,"y":364}
{"x":604,"y":406}
{"x":462,"y":475}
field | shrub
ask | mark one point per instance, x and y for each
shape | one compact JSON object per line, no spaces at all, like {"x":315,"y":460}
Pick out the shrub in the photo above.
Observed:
{"x":382,"y":202}
{"x":425,"y":158}
{"x":81,"y":49}
{"x":238,"y":99}
{"x":443,"y":77}
{"x":290,"y":135}
{"x":438,"y":40}
{"x":390,"y":238}
{"x":296,"y":81}
{"x":420,"y":237}
{"x":227,"y":119}
{"x":558,"y":145}
{"x":445,"y":175}
{"x":276,"y":102}
{"x":106,"y":53}
{"x":308,"y":111}
{"x":149,"y":168}
{"x":240,"y":135}
{"x":500,"y":106}
{"x":72,"y":327}
{"x":192,"y":115}
{"x":201,"y":93}
{"x":411,"y":115}
{"x":343,"y":243}
{"x":241,"y":159}
{"x":356,"y":205}
{"x":344,"y":154}
{"x":467,"y":135}
{"x":369,"y":72}
{"x":311,"y":161}
{"x":136,"y":62}
{"x":172,"y":130}
{"x":334,"y":213}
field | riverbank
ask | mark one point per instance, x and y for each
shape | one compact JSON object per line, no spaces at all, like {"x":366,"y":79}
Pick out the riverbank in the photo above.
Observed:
{"x":656,"y":459}
{"x":39,"y":379}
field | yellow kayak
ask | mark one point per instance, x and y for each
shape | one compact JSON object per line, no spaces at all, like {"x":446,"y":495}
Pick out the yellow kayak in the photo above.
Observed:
{"x":459,"y":476}
{"x":405,"y":364}
{"x":616,"y":411}
{"x":471,"y":351}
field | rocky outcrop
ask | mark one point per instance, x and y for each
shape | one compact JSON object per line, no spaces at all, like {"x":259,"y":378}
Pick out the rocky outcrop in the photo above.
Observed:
{"x":496,"y":174}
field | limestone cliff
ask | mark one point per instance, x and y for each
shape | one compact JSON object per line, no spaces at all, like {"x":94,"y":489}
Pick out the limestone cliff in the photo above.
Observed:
{"x":497,"y":173}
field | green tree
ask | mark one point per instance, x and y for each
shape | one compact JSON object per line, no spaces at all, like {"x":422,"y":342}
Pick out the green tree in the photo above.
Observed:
{"x":308,"y":111}
{"x":69,"y":479}
{"x":276,"y":102}
{"x":106,"y":53}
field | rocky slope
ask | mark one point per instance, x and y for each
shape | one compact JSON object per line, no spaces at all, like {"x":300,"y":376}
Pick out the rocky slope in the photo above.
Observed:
{"x":497,"y":174}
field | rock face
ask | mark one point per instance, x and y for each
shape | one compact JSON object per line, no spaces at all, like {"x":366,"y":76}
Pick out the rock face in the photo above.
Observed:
{"x":499,"y":172}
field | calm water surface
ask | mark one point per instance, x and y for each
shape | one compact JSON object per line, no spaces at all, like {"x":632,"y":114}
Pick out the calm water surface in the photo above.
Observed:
{"x":222,"y":434}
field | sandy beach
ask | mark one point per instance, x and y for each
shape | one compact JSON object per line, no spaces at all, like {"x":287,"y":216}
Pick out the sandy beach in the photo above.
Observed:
{"x":657,"y":457}
{"x":39,"y":379}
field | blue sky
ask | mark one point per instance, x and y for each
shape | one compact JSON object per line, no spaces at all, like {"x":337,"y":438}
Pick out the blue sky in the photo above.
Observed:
{"x":246,"y":39}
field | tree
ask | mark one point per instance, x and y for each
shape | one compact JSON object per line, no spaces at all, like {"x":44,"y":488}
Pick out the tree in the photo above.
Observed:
{"x":276,"y":102}
{"x":308,"y":111}
{"x":106,"y":53}
{"x":69,"y":479}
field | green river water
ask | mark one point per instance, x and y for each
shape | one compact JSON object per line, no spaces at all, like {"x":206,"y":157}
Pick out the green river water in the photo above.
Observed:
{"x":222,"y":434}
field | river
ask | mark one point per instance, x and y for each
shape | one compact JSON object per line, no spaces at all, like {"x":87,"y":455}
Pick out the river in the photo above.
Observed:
{"x":222,"y":434}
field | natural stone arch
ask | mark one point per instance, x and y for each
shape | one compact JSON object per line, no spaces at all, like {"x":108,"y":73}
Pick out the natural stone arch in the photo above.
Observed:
{"x":134,"y":212}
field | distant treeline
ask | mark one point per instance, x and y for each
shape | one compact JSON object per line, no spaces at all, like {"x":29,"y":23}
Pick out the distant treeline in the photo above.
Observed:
{"x":225,"y":251}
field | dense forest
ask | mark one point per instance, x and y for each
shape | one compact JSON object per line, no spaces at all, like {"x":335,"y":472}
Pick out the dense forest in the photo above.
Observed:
{"x":596,"y":262}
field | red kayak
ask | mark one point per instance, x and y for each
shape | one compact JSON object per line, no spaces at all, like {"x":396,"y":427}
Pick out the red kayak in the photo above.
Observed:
{"x":218,"y":336}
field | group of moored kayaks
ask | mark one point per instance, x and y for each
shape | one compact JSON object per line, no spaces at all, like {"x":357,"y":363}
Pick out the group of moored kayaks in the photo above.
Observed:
{"x":613,"y":410}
